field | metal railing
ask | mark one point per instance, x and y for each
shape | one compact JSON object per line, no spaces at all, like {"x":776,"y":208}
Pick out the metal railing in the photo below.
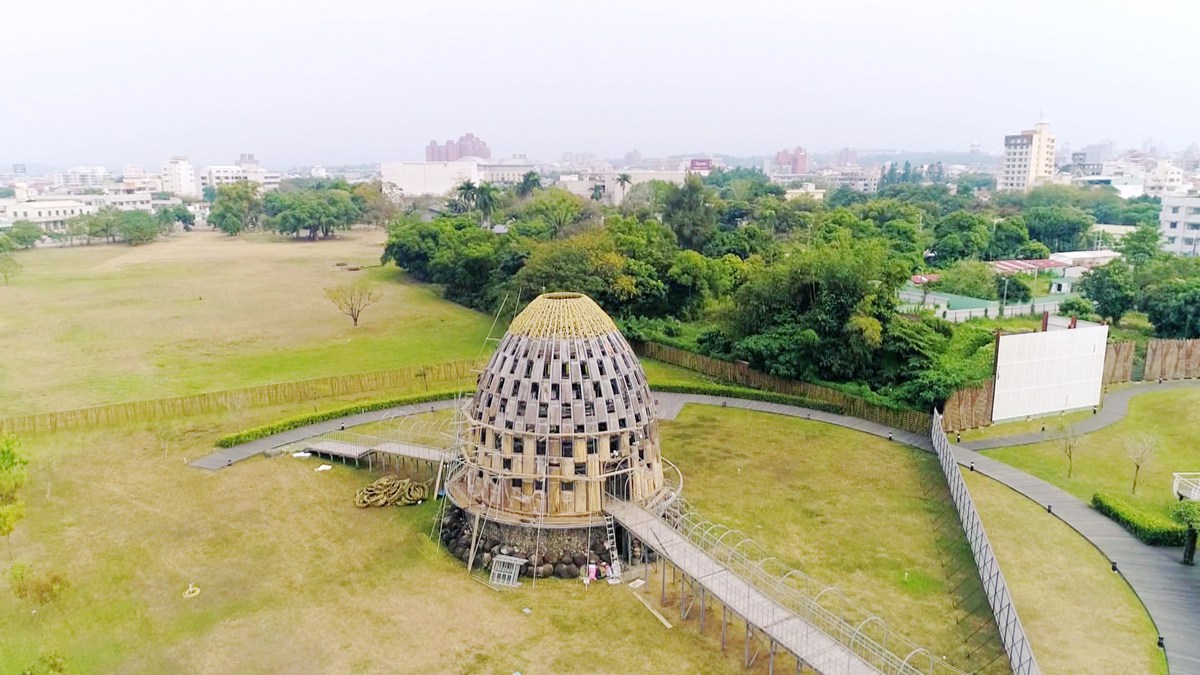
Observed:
{"x":1187,"y":486}
{"x":829,"y":615}
{"x":1012,"y":633}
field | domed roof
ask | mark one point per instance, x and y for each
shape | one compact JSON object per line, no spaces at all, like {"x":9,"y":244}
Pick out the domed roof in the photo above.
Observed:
{"x":562,"y":316}
{"x":562,"y":414}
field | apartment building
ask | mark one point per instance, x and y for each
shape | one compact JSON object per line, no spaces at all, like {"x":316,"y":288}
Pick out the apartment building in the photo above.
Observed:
{"x":1179,"y":223}
{"x":1028,"y":159}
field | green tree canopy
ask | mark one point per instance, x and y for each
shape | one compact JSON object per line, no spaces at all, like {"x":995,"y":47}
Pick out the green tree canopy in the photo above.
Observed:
{"x":236,"y":208}
{"x":1111,"y":288}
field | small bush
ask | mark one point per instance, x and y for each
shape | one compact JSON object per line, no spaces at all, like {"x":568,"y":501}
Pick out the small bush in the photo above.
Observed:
{"x":247,"y":435}
{"x":1150,"y":528}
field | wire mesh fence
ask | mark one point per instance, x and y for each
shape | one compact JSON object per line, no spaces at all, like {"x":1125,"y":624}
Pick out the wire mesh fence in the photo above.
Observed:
{"x":1012,"y":633}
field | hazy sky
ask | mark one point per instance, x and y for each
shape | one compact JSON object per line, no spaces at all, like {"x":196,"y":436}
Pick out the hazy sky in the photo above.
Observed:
{"x":297,"y":82}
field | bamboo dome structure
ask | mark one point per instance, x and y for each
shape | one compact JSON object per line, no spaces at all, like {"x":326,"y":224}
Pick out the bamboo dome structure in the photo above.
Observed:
{"x":562,"y":416}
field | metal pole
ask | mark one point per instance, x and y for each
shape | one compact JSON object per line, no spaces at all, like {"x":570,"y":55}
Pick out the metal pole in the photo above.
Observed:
{"x":663,"y":598}
{"x":702,"y":609}
{"x":724,"y":624}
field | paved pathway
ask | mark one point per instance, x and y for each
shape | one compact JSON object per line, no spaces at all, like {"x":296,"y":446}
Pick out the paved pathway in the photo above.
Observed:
{"x":227,"y":456}
{"x":1169,"y":590}
{"x":1116,"y":406}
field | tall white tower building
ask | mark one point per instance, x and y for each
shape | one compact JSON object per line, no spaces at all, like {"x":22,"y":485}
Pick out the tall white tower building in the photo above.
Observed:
{"x":1028,"y":159}
{"x":178,"y":177}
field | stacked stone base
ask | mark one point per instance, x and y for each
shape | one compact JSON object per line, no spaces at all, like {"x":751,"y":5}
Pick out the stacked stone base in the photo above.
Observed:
{"x":556,"y":552}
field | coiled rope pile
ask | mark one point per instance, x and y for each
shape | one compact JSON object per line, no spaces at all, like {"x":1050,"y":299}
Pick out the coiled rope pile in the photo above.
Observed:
{"x":389,"y":490}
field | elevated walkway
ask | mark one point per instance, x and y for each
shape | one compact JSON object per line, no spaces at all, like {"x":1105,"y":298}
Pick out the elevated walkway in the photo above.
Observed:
{"x":782,"y":626}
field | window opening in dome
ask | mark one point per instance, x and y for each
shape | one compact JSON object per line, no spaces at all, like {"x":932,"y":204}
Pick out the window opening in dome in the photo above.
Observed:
{"x":546,"y":369}
{"x":581,"y":469}
{"x":554,"y":428}
{"x":528,"y":369}
{"x":610,"y":406}
{"x":614,"y":443}
{"x":589,"y":409}
{"x":592,"y":446}
{"x":616,"y":388}
{"x":602,"y":426}
{"x":516,"y":388}
{"x":600,"y":367}
{"x":568,"y":486}
{"x":621,"y":422}
{"x":583,"y":369}
{"x":520,"y":408}
{"x":534,"y":389}
{"x":596,"y":389}
{"x":579,"y":428}
{"x":568,"y":448}
{"x":518,"y":483}
{"x":576,"y":390}
{"x":518,"y":445}
{"x":507,"y":462}
{"x":543,"y":410}
{"x":541,"y":446}
{"x":554,"y":392}
{"x":566,"y":368}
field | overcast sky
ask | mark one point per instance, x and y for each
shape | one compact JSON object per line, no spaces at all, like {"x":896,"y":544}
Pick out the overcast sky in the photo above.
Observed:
{"x":298,"y":82}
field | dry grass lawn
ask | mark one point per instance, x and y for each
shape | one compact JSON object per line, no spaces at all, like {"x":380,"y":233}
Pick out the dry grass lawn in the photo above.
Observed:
{"x":293,"y":578}
{"x":202,"y":311}
{"x":1080,"y":617}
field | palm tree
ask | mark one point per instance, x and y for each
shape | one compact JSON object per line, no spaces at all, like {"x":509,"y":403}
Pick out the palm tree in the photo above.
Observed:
{"x":529,"y":182}
{"x":624,"y":180}
{"x":467,"y":191}
{"x":487,"y":197}
{"x":597,"y":192}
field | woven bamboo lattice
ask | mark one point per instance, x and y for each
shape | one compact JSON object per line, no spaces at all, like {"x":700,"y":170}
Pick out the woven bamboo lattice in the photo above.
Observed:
{"x":561,"y":414}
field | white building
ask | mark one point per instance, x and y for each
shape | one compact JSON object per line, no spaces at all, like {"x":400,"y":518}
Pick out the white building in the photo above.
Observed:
{"x":860,"y":181}
{"x":216,"y":175}
{"x":439,"y":178}
{"x":1165,"y":178}
{"x":1028,"y":159}
{"x":82,"y":177}
{"x":1179,"y":222}
{"x":179,"y":177}
{"x":50,"y":214}
{"x":613,"y":190}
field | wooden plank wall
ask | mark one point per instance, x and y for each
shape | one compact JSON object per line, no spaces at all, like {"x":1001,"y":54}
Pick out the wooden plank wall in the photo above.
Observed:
{"x":399,"y":380}
{"x":970,"y":407}
{"x":1172,"y":359}
{"x":1118,"y":362}
{"x":739,"y":373}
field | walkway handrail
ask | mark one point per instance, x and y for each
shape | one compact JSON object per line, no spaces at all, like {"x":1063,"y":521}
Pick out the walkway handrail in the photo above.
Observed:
{"x":858,"y":630}
{"x":1187,"y":486}
{"x":1012,"y":633}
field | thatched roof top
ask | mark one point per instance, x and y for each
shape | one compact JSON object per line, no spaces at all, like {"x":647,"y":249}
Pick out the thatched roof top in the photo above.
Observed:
{"x":562,"y":316}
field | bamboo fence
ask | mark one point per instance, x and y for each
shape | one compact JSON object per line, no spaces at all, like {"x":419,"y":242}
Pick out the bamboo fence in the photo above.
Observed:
{"x":1172,"y":359}
{"x":399,"y":380}
{"x":740,"y":373}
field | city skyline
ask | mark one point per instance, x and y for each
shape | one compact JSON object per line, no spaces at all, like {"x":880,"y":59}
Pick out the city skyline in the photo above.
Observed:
{"x":318,"y":84}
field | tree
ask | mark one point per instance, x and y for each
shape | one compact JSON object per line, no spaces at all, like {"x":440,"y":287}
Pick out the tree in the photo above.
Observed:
{"x":9,"y":267}
{"x":236,"y":208}
{"x":352,"y":300}
{"x":137,"y":227}
{"x":1187,"y":513}
{"x":624,"y":180}
{"x":1140,"y":449}
{"x":961,"y":235}
{"x":597,"y":192}
{"x":971,"y":278}
{"x":466,"y":192}
{"x":1068,"y":443}
{"x":1111,"y":288}
{"x":530,"y":181}
{"x":77,"y":228}
{"x":374,"y":202}
{"x":209,"y":194}
{"x":1142,"y":246}
{"x":1061,"y":228}
{"x":689,"y":214}
{"x":1012,"y":289}
{"x":25,"y":234}
{"x":12,"y":478}
{"x":557,"y":207}
{"x":487,"y":198}
{"x":1010,"y":238}
{"x":1173,"y":307}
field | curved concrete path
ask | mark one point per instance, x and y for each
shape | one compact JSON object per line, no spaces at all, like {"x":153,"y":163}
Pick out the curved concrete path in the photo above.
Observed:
{"x":1169,"y":590}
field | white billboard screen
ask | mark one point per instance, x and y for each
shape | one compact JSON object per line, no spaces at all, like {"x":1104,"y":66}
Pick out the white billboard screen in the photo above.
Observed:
{"x":1041,"y":373}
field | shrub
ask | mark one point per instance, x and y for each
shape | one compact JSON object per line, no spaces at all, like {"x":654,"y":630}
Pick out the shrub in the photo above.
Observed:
{"x":247,"y":435}
{"x":1150,"y":528}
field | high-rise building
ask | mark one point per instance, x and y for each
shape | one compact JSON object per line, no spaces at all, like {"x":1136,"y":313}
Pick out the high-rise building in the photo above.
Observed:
{"x":467,"y":145}
{"x":179,"y":177}
{"x":846,"y":157}
{"x":1179,"y":223}
{"x":1028,"y":159}
{"x":791,"y":161}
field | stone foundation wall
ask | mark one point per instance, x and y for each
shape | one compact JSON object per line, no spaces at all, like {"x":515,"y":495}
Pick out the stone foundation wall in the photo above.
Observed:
{"x":553,"y":552}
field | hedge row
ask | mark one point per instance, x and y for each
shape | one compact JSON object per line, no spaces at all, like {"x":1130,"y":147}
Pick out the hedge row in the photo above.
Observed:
{"x":750,"y":394}
{"x":290,"y":423}
{"x":1150,"y":528}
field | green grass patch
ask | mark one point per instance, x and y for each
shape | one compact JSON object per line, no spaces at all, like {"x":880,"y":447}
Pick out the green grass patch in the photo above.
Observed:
{"x":849,"y":509}
{"x":1079,"y":616}
{"x":1102,"y":462}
